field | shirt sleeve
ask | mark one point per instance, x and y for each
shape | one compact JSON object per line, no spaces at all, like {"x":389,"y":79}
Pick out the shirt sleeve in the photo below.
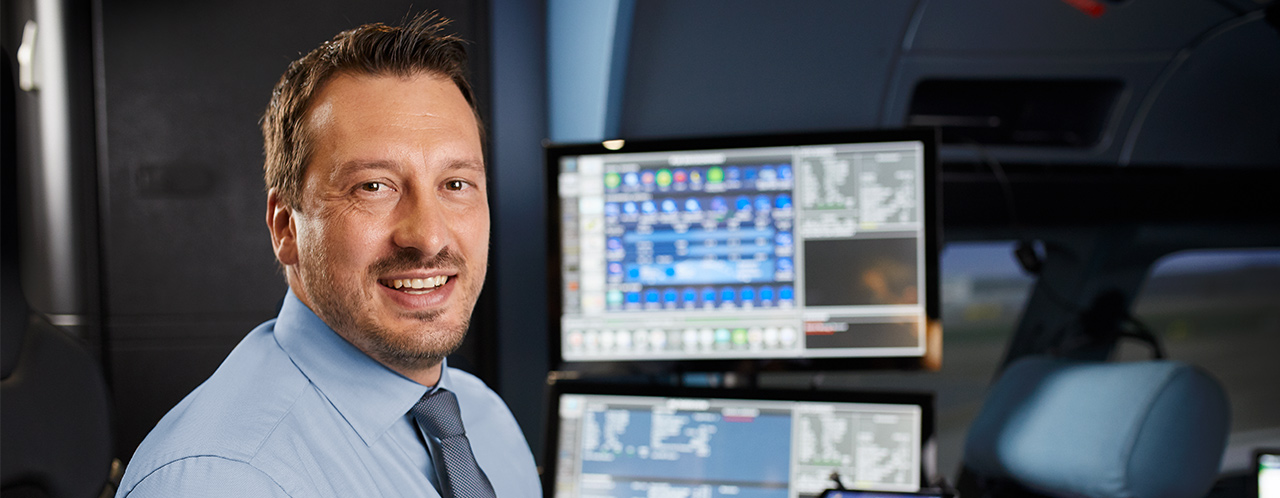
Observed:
{"x":206,"y":476}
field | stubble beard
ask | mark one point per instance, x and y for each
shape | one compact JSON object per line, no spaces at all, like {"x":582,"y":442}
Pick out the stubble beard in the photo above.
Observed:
{"x":347,"y":307}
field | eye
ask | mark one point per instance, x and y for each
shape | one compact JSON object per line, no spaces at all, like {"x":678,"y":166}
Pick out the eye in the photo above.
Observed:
{"x":455,"y":185}
{"x":373,"y":186}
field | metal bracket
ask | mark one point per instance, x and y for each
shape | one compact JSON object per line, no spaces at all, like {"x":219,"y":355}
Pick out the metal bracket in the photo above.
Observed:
{"x":27,"y":58}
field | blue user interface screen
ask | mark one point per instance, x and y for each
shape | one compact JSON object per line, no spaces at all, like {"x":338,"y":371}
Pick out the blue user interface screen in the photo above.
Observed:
{"x":636,"y":446}
{"x":775,"y":252}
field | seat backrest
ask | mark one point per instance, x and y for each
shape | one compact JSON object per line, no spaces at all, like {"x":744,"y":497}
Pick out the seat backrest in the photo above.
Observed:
{"x":1070,"y":428}
{"x":55,"y":422}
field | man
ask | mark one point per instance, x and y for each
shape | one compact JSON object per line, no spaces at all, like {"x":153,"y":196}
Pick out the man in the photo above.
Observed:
{"x":377,"y":210}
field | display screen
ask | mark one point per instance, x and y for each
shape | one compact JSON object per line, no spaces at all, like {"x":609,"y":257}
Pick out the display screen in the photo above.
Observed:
{"x":805,"y":250}
{"x":625,"y":446}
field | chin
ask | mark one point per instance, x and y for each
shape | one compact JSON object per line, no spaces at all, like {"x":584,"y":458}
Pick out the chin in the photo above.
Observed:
{"x":416,"y":344}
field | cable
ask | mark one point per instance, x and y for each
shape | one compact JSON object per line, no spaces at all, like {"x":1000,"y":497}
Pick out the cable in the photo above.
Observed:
{"x":1029,"y":257}
{"x":1026,"y":254}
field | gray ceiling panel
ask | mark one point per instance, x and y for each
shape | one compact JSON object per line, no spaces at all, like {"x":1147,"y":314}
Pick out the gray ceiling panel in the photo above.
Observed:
{"x":704,"y":68}
{"x":1219,"y":105}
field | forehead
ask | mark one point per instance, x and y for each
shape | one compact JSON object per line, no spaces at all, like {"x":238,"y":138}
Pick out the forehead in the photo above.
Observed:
{"x":421,"y":118}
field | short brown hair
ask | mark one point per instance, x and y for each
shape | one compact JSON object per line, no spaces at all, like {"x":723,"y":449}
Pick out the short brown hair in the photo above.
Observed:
{"x":416,"y":46}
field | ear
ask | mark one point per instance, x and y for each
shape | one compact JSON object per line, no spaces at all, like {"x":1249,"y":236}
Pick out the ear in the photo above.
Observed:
{"x":284,"y":234}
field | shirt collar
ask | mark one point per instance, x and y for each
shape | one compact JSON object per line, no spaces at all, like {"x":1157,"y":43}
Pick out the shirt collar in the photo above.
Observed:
{"x":366,"y":393}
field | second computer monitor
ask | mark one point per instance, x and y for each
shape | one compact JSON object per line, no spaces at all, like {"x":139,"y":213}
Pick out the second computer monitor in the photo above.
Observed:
{"x":621,"y":441}
{"x":780,"y":247}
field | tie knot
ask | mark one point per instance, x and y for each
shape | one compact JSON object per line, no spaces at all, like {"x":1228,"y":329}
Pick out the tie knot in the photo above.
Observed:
{"x":439,"y":414}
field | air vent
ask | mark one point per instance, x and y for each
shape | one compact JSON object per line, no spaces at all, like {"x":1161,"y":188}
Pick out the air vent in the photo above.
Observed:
{"x":1059,"y":113}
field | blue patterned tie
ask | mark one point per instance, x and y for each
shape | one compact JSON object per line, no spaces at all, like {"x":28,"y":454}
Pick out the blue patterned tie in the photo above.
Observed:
{"x":441,"y":421}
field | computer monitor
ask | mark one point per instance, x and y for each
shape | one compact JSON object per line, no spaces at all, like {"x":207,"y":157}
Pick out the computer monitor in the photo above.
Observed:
{"x":711,"y":443}
{"x":788,"y":247}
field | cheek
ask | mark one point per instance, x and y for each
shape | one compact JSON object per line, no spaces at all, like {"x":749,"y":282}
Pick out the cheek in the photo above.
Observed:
{"x":340,"y":242}
{"x":476,"y":234}
{"x":310,"y":237}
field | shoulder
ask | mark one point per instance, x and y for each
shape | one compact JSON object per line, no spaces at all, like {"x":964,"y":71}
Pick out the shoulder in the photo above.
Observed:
{"x":479,"y":403}
{"x":201,"y":476}
{"x":471,"y":387}
{"x":226,"y":421}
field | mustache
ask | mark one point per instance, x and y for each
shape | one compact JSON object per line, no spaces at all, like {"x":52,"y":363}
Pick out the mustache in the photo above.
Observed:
{"x":408,"y":259}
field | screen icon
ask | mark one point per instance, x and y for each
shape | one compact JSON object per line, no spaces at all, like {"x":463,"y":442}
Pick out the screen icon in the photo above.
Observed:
{"x":715,"y":175}
{"x":664,"y":178}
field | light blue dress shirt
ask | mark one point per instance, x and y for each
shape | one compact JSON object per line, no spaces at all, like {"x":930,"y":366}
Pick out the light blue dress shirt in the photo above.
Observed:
{"x":295,"y":410}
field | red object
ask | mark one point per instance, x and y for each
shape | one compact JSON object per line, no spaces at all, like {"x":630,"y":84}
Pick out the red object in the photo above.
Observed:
{"x":818,"y":328}
{"x":1094,"y":8}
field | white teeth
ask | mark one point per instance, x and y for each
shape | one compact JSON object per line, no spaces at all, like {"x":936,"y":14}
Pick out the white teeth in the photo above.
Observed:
{"x":417,"y":284}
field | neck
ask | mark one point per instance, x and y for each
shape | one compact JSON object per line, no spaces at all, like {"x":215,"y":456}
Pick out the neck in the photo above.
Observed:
{"x":427,"y":376}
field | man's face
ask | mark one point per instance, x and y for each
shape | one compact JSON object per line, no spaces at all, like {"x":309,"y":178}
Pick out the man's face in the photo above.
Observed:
{"x":392,"y":229}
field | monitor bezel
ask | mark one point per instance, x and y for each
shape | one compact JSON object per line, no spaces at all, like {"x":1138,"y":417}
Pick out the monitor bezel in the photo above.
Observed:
{"x":931,"y":359}
{"x":852,"y":493}
{"x":556,"y":389}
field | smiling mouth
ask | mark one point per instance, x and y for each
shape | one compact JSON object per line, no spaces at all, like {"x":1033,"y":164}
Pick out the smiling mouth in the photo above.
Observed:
{"x":415,"y":286}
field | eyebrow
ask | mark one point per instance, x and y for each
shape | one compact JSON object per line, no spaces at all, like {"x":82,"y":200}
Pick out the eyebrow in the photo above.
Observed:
{"x":477,"y":167}
{"x":357,"y":165}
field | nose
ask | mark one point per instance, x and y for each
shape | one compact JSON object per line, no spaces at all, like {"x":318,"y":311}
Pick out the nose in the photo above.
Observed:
{"x":421,"y":223}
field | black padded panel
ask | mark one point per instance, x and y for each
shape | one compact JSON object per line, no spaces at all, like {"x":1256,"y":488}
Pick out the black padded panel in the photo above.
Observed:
{"x":25,"y":490}
{"x":56,"y":421}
